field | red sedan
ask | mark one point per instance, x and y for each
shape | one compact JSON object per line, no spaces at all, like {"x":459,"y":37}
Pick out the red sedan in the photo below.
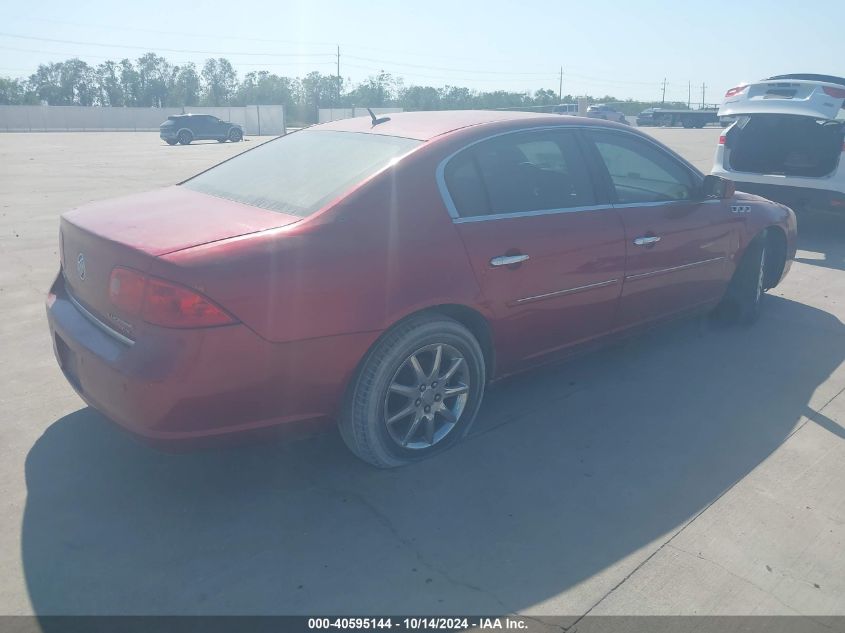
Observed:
{"x":378,"y":273}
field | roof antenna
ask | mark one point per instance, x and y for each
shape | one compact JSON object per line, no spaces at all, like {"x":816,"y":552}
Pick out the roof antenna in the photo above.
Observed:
{"x":377,"y":120}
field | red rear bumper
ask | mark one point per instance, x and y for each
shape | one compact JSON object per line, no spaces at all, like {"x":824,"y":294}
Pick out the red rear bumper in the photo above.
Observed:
{"x":173,"y":384}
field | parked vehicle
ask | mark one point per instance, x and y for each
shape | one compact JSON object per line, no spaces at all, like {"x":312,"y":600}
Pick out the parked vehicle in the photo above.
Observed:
{"x":605,"y":112}
{"x":685,"y":118}
{"x":565,"y":108}
{"x":380,"y":272}
{"x":787,"y":141}
{"x":186,"y":128}
{"x":646,"y":117}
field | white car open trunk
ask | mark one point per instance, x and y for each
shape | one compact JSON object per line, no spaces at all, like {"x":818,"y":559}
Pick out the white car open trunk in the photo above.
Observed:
{"x":789,"y":125}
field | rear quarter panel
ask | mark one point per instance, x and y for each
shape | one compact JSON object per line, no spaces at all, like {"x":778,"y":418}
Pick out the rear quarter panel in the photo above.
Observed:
{"x":385,"y":251}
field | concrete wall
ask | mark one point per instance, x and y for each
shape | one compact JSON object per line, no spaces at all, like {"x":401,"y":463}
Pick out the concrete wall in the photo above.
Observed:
{"x":334,"y":114}
{"x":263,"y":119}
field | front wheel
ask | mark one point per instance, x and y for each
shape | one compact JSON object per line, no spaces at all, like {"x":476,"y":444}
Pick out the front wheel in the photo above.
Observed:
{"x":416,"y":393}
{"x":744,"y":296}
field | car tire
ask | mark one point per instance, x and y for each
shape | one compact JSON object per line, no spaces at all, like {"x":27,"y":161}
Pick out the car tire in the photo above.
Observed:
{"x":235,"y":135}
{"x":171,"y":142}
{"x":397,"y":410}
{"x":743,"y":299}
{"x":185,"y":137}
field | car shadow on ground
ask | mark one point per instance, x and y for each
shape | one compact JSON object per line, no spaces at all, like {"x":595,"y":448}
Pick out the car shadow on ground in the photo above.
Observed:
{"x":568,"y":471}
{"x":824,"y":236}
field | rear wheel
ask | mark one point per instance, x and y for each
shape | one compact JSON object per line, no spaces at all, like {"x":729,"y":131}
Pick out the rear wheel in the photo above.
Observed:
{"x":744,"y":296}
{"x":171,"y":142}
{"x":235,"y":135}
{"x":185,"y":137}
{"x":416,"y":393}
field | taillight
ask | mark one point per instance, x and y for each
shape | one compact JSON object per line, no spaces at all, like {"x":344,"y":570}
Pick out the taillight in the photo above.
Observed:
{"x":836,"y":93}
{"x":722,"y":139}
{"x":735,"y":91}
{"x":126,"y":289}
{"x":171,"y":305}
{"x":162,"y":302}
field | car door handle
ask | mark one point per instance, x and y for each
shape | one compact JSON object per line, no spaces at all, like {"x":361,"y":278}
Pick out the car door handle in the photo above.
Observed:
{"x":508,"y":260}
{"x":645,"y":241}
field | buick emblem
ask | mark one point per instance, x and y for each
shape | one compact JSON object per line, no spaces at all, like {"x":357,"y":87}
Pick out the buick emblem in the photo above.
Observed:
{"x":80,"y":266}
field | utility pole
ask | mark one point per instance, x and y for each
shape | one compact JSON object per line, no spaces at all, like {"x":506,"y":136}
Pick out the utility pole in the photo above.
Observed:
{"x":703,"y":86}
{"x":689,"y":94}
{"x":663,"y":98}
{"x":338,"y":75}
{"x":560,"y":87}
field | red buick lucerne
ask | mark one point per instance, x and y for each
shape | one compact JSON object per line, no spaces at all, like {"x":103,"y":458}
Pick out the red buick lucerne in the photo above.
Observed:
{"x":377,"y":273}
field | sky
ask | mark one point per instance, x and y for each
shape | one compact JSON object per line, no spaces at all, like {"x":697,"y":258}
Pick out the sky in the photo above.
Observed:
{"x":623,"y":49}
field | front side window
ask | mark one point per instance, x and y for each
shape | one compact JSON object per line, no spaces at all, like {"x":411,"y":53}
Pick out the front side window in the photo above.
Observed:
{"x":302,"y":172}
{"x":520,"y":172}
{"x":641,"y":172}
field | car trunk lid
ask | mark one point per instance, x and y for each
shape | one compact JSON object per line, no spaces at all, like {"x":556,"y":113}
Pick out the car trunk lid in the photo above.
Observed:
{"x":132,"y":231}
{"x":172,"y":219}
{"x":817,"y":99}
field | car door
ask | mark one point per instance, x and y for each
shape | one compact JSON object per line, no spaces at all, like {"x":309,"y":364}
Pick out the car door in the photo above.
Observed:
{"x":677,"y":243}
{"x":549,"y":260}
{"x":207,"y":126}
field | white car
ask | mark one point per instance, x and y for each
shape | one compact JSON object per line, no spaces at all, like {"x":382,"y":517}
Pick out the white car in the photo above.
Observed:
{"x":787,"y":141}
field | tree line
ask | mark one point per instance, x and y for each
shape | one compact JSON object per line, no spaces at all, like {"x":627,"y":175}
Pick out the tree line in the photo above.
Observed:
{"x":152,"y":81}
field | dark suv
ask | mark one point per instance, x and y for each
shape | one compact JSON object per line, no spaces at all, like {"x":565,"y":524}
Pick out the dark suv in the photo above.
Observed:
{"x":184,"y":128}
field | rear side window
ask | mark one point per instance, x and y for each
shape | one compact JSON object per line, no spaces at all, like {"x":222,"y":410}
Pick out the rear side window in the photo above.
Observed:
{"x":642,"y":172}
{"x":302,"y":172}
{"x":513,"y":173}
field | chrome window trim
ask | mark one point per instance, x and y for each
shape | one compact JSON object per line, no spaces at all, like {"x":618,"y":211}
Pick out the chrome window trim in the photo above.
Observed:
{"x":458,"y":219}
{"x":99,"y":324}
{"x":593,"y":207}
{"x":558,"y":293}
{"x":653,"y":273}
{"x":524,"y":214}
{"x":663,"y":203}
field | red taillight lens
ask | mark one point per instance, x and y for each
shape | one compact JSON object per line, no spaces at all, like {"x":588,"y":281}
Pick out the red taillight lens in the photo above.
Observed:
{"x":836,"y":93}
{"x":722,"y":139}
{"x":126,"y":290}
{"x":735,"y":91}
{"x":163,"y":303}
{"x":171,"y":305}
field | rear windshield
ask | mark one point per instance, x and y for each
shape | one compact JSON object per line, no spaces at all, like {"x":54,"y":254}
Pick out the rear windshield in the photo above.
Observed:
{"x":301,"y":172}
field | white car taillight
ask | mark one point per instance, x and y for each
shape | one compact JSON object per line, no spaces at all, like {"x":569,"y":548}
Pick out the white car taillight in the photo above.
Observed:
{"x":734,"y":91}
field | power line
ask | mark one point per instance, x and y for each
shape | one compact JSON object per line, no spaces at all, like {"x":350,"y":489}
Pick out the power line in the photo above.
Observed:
{"x":446,"y":69}
{"x":440,"y":77}
{"x":112,"y":27}
{"x":160,"y":48}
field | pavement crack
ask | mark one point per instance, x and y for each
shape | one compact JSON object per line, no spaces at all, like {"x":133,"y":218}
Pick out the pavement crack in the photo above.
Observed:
{"x":385,"y":521}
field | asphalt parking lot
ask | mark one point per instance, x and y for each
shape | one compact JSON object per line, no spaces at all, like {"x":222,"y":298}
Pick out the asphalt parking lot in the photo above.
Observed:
{"x":695,"y":470}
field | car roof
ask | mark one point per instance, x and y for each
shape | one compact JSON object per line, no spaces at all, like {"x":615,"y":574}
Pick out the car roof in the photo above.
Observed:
{"x":424,"y":126}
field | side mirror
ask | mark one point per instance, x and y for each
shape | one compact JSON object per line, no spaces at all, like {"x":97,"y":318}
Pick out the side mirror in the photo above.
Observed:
{"x":718,"y":187}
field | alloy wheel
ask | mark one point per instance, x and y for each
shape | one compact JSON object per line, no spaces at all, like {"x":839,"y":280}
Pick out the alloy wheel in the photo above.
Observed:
{"x":426,"y":397}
